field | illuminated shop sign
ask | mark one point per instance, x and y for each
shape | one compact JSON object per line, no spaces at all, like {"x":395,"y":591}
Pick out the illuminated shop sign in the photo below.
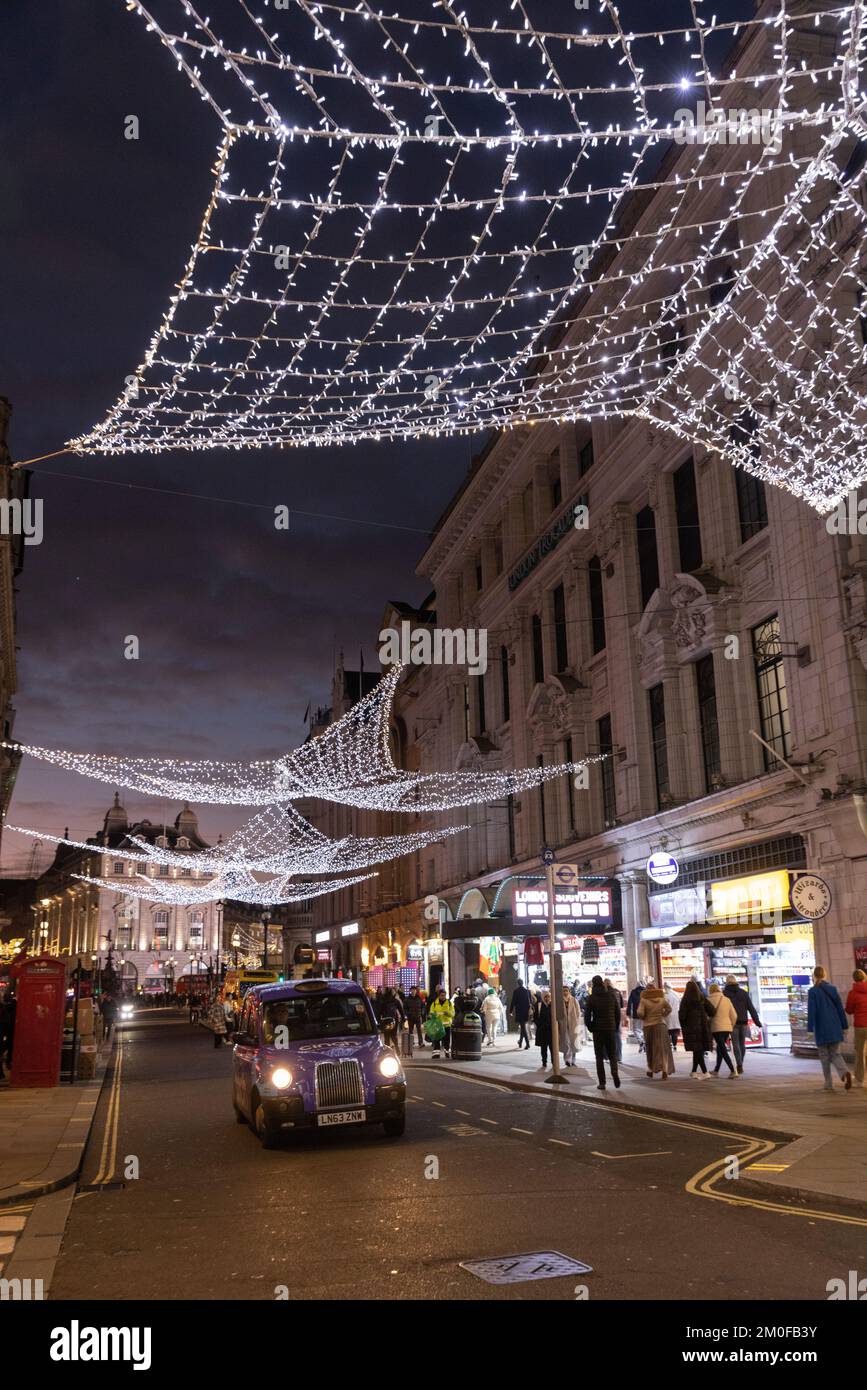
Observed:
{"x":584,"y":907}
{"x":748,"y":900}
{"x":351,"y":929}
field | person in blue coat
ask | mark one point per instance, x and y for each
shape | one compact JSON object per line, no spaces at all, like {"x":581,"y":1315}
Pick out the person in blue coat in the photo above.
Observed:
{"x":827,"y":1021}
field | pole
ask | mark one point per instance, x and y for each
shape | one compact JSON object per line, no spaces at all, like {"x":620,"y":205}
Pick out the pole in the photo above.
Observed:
{"x":556,"y":1078}
{"x":75,"y":1023}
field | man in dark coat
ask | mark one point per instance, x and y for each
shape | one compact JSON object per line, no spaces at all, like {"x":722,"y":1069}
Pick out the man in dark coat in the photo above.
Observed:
{"x":521,"y":1007}
{"x":414,"y":1008}
{"x":744,"y":1008}
{"x":602,"y":1020}
{"x":543,"y":1025}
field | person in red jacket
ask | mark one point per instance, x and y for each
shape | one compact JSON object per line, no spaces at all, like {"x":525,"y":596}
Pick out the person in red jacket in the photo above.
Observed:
{"x":856,"y":1005}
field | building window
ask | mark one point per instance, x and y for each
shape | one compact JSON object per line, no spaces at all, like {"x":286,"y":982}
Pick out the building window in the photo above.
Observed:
{"x":164,"y":870}
{"x":124,"y":936}
{"x":585,"y":457}
{"x":609,"y":794}
{"x":480,"y":703}
{"x":161,"y":930}
{"x":538,"y":650}
{"x":560,"y":637}
{"x":504,"y":682}
{"x":568,"y":757}
{"x":752,"y":504}
{"x":686,"y":513}
{"x":556,"y":493}
{"x":597,"y":604}
{"x":540,"y":762}
{"x":648,"y":557}
{"x":197,"y":931}
{"x":186,"y":873}
{"x":771,"y":690}
{"x":529,"y":521}
{"x":708,"y":721}
{"x":510,"y":823}
{"x":659,"y":742}
{"x":478,"y":574}
{"x":118,"y":866}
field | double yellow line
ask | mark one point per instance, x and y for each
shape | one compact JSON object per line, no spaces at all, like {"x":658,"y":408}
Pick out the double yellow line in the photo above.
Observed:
{"x":108,"y":1158}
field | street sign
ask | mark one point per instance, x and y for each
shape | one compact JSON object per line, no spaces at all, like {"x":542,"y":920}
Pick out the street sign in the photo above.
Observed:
{"x":565,"y":875}
{"x":662,"y":868}
{"x":547,"y":855}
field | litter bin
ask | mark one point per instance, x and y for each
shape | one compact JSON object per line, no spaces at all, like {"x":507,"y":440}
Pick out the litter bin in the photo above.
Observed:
{"x":67,"y":1065}
{"x":467,"y":1039}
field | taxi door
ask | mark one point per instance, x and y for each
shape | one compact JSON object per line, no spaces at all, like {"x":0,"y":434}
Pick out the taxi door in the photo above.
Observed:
{"x":244,"y":1058}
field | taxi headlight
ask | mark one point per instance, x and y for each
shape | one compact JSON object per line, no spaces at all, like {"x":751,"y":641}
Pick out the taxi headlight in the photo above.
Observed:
{"x":281,"y":1077}
{"x":389,"y":1066}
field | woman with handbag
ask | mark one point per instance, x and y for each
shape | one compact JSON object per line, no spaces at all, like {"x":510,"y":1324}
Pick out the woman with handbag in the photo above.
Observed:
{"x":694,"y":1018}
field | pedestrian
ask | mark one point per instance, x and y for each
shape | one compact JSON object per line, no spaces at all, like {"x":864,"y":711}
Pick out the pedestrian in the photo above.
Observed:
{"x":442,"y":1012}
{"x":504,"y":1006}
{"x":619,"y":997}
{"x":856,"y":1005}
{"x":492,"y":1013}
{"x":195,"y":1008}
{"x":415,"y":1013}
{"x":694,"y":1015}
{"x":390,"y":1015}
{"x":653,"y":1011}
{"x":229,"y":1014}
{"x":722,"y":1023}
{"x":217,"y":1020}
{"x":826,"y":1020}
{"x":745,"y":1009}
{"x":602,"y":1016}
{"x":543,"y":1025}
{"x":632,"y":1004}
{"x":673,"y":1000}
{"x":522,"y":1008}
{"x":108,"y":1009}
{"x":571,"y":1022}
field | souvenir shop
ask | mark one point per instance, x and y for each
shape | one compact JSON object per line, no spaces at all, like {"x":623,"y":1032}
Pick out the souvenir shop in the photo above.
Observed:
{"x":745,"y":927}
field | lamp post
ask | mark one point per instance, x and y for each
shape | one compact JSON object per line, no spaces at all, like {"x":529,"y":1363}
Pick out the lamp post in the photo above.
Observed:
{"x":556,"y":1077}
{"x":266,"y":918}
{"x":236,"y":943}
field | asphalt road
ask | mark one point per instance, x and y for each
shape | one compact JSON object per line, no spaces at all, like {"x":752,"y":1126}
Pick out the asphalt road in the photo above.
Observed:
{"x":351,"y":1215}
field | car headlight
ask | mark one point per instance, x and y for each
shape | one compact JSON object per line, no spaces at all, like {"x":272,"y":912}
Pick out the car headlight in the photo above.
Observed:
{"x":389,"y":1066}
{"x":281,"y":1077}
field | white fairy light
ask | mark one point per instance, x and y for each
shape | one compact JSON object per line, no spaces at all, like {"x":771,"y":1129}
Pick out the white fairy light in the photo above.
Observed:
{"x":235,"y":886}
{"x":331,"y":297}
{"x":349,"y":763}
{"x":276,"y":841}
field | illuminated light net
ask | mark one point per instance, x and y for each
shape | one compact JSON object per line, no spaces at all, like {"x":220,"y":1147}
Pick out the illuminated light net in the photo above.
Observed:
{"x":278,"y":840}
{"x":350,"y":763}
{"x":233,"y":884}
{"x":405,"y":205}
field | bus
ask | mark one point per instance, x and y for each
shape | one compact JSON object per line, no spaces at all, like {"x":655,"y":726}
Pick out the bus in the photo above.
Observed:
{"x":238,"y":980}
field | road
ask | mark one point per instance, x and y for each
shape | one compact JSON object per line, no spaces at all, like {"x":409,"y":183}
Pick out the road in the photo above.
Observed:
{"x":352,"y":1215}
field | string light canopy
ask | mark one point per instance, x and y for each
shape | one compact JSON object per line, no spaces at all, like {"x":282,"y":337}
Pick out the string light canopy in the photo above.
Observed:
{"x":277,"y":840}
{"x":350,"y":763}
{"x":233,"y":884}
{"x":453,"y":218}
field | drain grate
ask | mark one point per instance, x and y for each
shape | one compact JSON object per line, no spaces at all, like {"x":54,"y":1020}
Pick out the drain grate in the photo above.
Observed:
{"x":520,"y":1269}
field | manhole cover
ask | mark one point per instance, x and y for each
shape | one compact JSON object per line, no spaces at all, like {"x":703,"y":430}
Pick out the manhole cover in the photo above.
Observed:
{"x":520,"y":1269}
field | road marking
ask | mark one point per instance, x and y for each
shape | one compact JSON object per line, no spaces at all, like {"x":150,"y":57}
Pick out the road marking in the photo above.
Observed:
{"x":767,"y":1168}
{"x":418,"y":1097}
{"x":565,"y":1142}
{"x":109,"y":1139}
{"x":440,"y":1103}
{"x":461,"y":1112}
{"x":517,"y":1130}
{"x":653,"y":1153}
{"x":485,"y":1121}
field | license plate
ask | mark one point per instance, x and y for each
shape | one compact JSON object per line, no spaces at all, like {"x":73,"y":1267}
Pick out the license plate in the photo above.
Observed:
{"x":342,"y":1117}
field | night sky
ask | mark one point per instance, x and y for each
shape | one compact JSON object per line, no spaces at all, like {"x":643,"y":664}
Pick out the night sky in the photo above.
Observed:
{"x":238,"y":623}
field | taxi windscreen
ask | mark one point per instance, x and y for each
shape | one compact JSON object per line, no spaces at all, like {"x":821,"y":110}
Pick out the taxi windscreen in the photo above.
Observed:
{"x":330,"y":1016}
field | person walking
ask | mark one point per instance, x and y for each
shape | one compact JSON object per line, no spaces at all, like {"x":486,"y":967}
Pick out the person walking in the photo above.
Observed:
{"x":108,"y":1009}
{"x":619,"y":997}
{"x":543,"y":1025}
{"x":522,"y":1007}
{"x":745,"y":1009}
{"x":653,"y":1011}
{"x":673,"y":1001}
{"x":827,"y":1021}
{"x":414,"y":1014}
{"x":443,"y":1011}
{"x":504,"y":1006}
{"x":217,"y":1020}
{"x":694,"y":1015}
{"x":602,"y":1018}
{"x":632,"y":1004}
{"x":492,"y":1013}
{"x":722,"y":1022}
{"x":570,"y":1025}
{"x":856,"y":1005}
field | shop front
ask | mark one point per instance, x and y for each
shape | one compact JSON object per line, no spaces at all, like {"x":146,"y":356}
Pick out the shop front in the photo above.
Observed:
{"x":744,"y":928}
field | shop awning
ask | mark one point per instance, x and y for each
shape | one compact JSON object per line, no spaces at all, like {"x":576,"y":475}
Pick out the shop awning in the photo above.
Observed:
{"x":716,"y":934}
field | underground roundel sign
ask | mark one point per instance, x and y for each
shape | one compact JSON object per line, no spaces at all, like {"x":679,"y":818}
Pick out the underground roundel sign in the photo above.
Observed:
{"x":662,"y":868}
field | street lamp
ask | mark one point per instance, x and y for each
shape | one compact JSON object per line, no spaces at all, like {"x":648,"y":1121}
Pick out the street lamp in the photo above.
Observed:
{"x":236,"y":944}
{"x":266,"y":918}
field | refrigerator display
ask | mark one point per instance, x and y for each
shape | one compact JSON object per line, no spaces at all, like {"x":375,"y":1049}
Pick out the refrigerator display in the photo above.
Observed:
{"x":680,"y":966}
{"x":736,"y":960}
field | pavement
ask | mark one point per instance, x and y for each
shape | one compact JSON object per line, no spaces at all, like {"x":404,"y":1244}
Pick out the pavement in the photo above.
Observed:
{"x":824,"y":1154}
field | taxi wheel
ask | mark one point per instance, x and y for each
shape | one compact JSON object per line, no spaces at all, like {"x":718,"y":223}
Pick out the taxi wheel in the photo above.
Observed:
{"x":264,"y":1133}
{"x":395,"y":1126}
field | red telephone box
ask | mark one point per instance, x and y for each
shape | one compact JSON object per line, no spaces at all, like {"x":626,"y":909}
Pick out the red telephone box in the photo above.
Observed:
{"x":41,"y":990}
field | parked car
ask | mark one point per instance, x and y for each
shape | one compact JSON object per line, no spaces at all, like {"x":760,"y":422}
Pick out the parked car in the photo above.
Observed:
{"x":308,"y":1055}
